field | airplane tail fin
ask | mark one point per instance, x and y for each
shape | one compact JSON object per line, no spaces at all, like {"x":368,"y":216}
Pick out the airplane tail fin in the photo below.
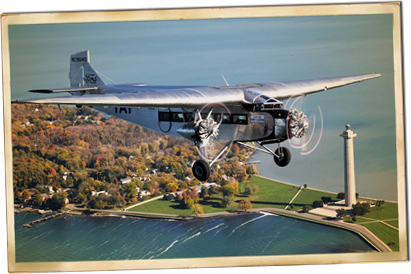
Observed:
{"x":82,"y":73}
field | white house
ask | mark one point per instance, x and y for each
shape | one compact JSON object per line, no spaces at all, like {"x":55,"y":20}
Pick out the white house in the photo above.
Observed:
{"x":125,"y":181}
{"x":154,"y":171}
{"x":66,"y":173}
{"x":49,"y":188}
{"x":143,"y":193}
{"x":210,"y":184}
{"x":95,"y":193}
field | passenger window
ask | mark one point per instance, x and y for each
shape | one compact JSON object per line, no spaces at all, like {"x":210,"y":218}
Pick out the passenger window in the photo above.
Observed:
{"x":240,"y":119}
{"x":178,"y":117}
{"x":164,"y":116}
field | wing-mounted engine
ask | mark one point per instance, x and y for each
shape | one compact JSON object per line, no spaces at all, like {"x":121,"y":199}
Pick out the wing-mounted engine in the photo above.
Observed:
{"x":256,"y":101}
{"x":297,"y":123}
{"x":286,"y":123}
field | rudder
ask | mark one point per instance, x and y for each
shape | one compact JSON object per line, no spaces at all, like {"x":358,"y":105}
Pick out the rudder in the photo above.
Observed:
{"x":82,"y":73}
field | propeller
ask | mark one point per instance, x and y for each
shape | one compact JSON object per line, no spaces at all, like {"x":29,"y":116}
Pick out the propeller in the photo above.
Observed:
{"x":300,"y":129}
{"x":208,"y":129}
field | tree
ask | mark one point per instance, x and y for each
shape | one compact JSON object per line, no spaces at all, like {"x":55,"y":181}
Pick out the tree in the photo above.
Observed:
{"x":318,"y":203}
{"x":341,"y":196}
{"x":58,"y":200}
{"x":226,"y":201}
{"x":37,"y":200}
{"x":204,"y":191}
{"x":306,"y":208}
{"x":360,"y":209}
{"x":197,"y":209}
{"x":168,"y":197}
{"x":380,"y":203}
{"x":213,"y":190}
{"x":341,"y":213}
{"x":326,"y":200}
{"x":99,"y":204}
{"x":25,"y":196}
{"x":228,"y":190}
{"x":248,"y":191}
{"x":81,"y":197}
{"x":305,"y":185}
{"x":189,"y":203}
{"x":245,"y":204}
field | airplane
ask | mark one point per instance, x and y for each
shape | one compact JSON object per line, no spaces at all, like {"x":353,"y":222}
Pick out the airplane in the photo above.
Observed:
{"x":245,"y":113}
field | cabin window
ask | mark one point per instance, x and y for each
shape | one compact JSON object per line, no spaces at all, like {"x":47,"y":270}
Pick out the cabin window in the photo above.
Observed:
{"x":166,"y":116}
{"x":178,"y":117}
{"x":239,"y":119}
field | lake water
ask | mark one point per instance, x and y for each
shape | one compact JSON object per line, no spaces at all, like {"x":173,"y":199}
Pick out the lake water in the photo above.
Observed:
{"x":78,"y":238}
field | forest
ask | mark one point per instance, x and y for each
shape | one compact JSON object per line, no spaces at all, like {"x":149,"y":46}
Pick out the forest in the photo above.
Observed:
{"x":69,"y":154}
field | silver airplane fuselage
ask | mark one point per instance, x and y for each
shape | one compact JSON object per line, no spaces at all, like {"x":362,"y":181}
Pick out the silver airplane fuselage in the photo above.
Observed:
{"x":238,"y":124}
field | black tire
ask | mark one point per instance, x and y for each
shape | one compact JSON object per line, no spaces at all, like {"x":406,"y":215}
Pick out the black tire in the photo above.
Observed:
{"x":201,"y":170}
{"x":285,"y":159}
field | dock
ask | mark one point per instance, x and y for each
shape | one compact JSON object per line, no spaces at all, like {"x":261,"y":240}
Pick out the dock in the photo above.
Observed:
{"x":30,"y":225}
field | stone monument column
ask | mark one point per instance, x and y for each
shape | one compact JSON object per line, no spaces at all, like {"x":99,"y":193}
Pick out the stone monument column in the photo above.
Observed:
{"x":349,"y":173}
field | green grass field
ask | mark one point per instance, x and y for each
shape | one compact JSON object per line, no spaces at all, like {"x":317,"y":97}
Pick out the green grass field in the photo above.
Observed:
{"x":173,"y":207}
{"x":161,"y":206}
{"x":384,"y":212}
{"x":385,"y":233}
{"x":270,"y":193}
{"x":308,"y":196}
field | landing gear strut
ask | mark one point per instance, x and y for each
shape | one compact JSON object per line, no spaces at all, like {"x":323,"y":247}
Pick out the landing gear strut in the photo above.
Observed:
{"x":202,"y":168}
{"x":282,"y":155}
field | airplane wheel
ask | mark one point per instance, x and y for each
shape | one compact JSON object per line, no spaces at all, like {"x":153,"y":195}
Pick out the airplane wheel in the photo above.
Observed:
{"x":285,"y":157}
{"x":201,"y":170}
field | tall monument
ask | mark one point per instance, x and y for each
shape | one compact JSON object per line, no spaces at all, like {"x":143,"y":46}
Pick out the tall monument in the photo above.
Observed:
{"x":349,"y":173}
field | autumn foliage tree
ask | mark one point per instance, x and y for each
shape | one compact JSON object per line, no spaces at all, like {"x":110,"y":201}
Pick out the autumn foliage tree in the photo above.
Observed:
{"x":244,"y":205}
{"x":63,"y":148}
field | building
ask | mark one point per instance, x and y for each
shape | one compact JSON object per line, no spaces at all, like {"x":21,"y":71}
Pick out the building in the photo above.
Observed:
{"x":143,"y":193}
{"x":125,"y":181}
{"x":95,"y":193}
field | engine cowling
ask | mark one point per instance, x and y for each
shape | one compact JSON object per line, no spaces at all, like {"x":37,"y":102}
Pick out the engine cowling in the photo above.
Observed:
{"x":294,"y":125}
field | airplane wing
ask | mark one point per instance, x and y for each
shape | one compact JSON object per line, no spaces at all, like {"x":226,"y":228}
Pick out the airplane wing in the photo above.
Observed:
{"x":177,"y":97}
{"x":284,"y":90}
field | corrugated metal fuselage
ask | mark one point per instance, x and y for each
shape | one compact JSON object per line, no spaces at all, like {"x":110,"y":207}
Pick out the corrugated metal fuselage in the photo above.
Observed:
{"x":237,"y":125}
